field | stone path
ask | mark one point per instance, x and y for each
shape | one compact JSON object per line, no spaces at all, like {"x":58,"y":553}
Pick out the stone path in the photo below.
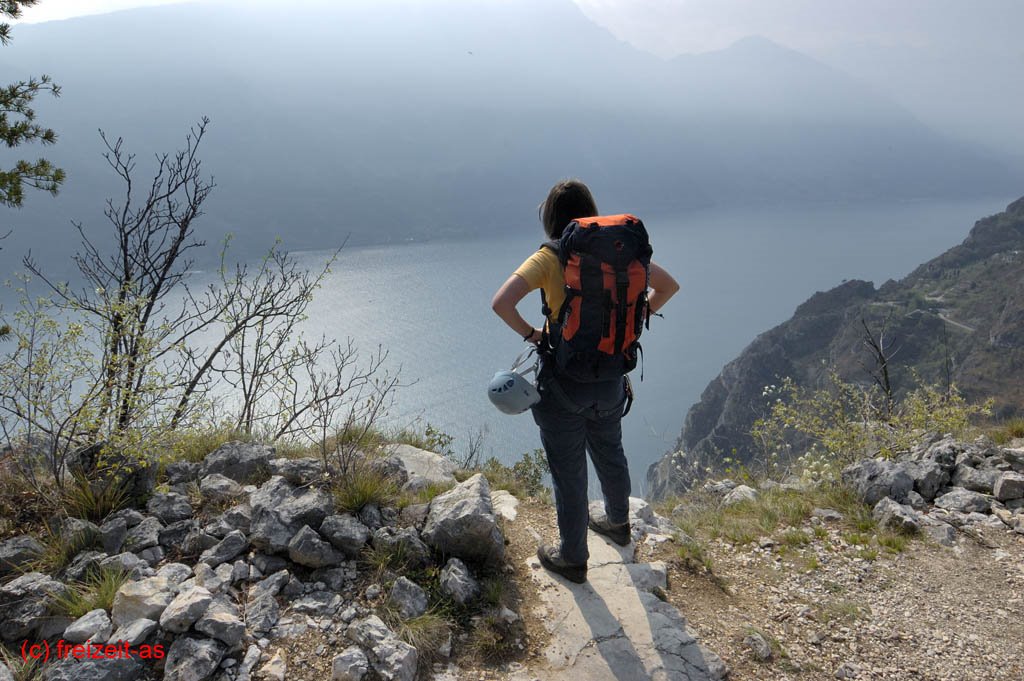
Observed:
{"x":613,"y":628}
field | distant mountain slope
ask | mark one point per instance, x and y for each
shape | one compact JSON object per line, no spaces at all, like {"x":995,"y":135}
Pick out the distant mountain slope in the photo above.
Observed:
{"x":400,"y":119}
{"x":963,"y":310}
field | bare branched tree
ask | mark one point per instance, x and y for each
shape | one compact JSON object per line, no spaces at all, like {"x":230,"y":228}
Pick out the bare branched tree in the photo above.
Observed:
{"x":881,"y":354}
{"x":162,"y":351}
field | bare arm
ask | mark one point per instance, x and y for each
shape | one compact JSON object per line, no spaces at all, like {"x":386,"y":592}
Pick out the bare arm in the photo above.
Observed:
{"x":504,"y":305}
{"x":663,"y":287}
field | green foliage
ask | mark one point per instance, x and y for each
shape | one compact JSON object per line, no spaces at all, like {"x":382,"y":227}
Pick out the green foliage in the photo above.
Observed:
{"x":842,"y":611}
{"x":426,"y":633}
{"x":22,"y":669}
{"x":845,"y":421}
{"x":94,"y":500}
{"x":361,"y":486}
{"x":97,"y":591}
{"x":1007,"y":431}
{"x":60,"y":549}
{"x":524,"y":478}
{"x":694,"y":556}
{"x":438,"y":441}
{"x":18,"y":125}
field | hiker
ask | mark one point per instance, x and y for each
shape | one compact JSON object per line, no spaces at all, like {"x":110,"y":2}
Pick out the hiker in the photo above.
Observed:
{"x":575,"y":416}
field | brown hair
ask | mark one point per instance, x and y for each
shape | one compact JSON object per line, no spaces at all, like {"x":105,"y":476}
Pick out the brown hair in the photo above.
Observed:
{"x":567,"y":200}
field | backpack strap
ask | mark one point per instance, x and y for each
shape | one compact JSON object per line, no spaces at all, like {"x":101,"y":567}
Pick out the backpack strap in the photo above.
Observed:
{"x":552,"y":246}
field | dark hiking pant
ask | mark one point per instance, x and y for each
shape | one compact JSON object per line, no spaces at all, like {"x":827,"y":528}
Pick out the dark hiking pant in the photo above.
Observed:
{"x":576,"y":419}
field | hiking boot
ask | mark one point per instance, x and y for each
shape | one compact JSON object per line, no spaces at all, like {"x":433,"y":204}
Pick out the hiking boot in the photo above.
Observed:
{"x":617,"y":533}
{"x":551,"y":558}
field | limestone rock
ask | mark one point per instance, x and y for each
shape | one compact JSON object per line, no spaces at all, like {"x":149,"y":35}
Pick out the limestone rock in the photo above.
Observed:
{"x":1009,"y":486}
{"x":221,"y":621}
{"x":298,"y":471}
{"x":458,"y":582}
{"x":309,"y":549}
{"x":134,"y":633}
{"x":170,"y":507}
{"x":113,"y":669}
{"x":18,"y":552}
{"x":350,"y":665}
{"x":345,"y":533}
{"x":185,"y":609}
{"x":739,"y":494}
{"x":279,"y":511}
{"x":229,"y":548}
{"x":963,"y":501}
{"x":424,"y":468}
{"x":192,"y":659}
{"x":974,"y":479}
{"x":25,"y":604}
{"x":144,"y":599}
{"x":275,"y":669}
{"x":240,"y":461}
{"x":461,"y":523}
{"x":94,"y":626}
{"x":928,"y":476}
{"x":112,"y":535}
{"x":143,"y":536}
{"x":408,"y":598}
{"x":218,"y":488}
{"x":896,"y":516}
{"x":262,"y":614}
{"x":404,"y":542}
{"x":874,"y":480}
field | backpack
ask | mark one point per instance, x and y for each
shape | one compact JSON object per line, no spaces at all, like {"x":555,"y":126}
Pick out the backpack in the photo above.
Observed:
{"x":606,"y":265}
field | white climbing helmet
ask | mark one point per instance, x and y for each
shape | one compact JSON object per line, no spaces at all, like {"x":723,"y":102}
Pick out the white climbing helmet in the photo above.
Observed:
{"x":510,"y":391}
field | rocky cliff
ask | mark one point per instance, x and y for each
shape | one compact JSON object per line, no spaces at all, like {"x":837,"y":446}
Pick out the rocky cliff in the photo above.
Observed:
{"x":956,"y":318}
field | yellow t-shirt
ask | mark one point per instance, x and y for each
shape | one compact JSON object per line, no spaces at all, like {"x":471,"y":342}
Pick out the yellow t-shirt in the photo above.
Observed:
{"x":542,"y":270}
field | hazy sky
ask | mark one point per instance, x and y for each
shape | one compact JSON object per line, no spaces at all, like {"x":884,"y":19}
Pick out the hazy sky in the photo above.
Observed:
{"x":955,"y":63}
{"x":669,"y":27}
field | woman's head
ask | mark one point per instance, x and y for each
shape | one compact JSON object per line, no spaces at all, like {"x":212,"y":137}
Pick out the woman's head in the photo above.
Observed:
{"x":567,"y":200}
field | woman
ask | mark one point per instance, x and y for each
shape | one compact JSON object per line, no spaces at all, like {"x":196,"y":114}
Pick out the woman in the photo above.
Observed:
{"x":574,"y":417}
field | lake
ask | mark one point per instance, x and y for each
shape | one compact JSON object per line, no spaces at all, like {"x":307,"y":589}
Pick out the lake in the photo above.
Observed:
{"x":741,"y":271}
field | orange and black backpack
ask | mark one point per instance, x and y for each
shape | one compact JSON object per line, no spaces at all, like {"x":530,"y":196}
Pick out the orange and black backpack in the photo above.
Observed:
{"x":606,"y":264}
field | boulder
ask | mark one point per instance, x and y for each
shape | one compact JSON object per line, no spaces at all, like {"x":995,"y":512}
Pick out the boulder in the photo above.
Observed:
{"x":128,"y":563}
{"x":143,"y":599}
{"x":739,"y":494}
{"x":83,"y":565}
{"x":345,"y":533}
{"x":112,"y":535}
{"x":262,"y":613}
{"x":279,"y":510}
{"x":174,"y":573}
{"x":424,"y":468}
{"x":143,"y":536}
{"x":896,"y":516}
{"x":458,"y":582}
{"x":185,"y":609}
{"x":217,"y":488}
{"x":392,"y":659}
{"x":461,"y":523}
{"x":173,"y":536}
{"x":298,"y":471}
{"x":221,"y":621}
{"x":229,"y":548}
{"x":18,"y":552}
{"x":408,"y":598}
{"x":976,"y":480}
{"x":94,"y":626}
{"x":309,"y":549}
{"x":112,"y":669}
{"x":402,"y":542}
{"x":169,"y":508}
{"x":192,"y":659}
{"x":182,"y":472}
{"x":944,"y":452}
{"x":25,"y":604}
{"x":350,"y":665}
{"x":134,"y":633}
{"x":873,"y":480}
{"x":241,"y":461}
{"x":1009,"y":486}
{"x":237,"y":517}
{"x":276,"y":668}
{"x":928,"y":476}
{"x":963,"y":501}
